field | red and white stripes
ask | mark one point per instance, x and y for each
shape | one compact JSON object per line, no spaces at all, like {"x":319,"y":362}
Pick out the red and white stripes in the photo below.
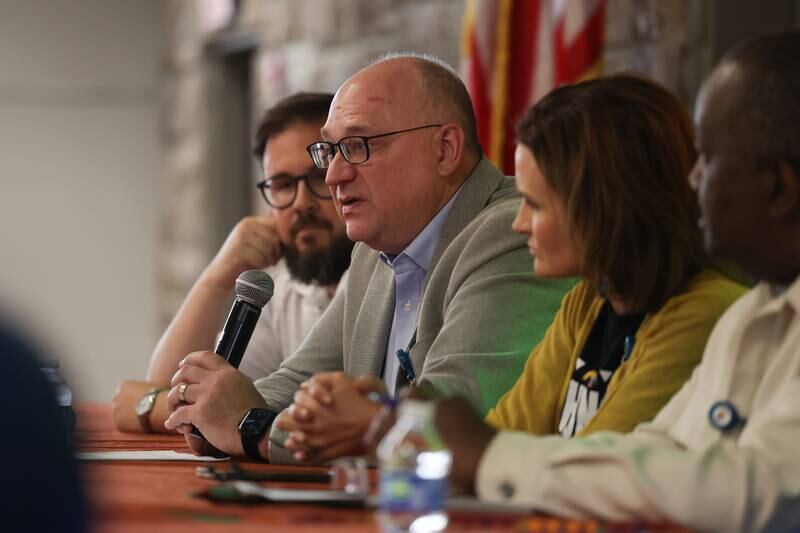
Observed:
{"x":515,"y":51}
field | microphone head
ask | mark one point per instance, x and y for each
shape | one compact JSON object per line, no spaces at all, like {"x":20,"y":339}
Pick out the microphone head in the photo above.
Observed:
{"x":255,"y":287}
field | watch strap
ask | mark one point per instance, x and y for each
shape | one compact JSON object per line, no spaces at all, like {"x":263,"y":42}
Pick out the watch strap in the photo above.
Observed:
{"x":250,"y":441}
{"x":144,"y":418}
{"x":250,"y":445}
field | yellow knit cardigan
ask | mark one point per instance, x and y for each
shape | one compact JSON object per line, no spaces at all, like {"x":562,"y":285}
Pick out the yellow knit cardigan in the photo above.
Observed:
{"x":669,"y":344}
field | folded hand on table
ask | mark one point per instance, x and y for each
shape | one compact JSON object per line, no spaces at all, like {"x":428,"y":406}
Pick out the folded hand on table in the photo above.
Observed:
{"x":215,"y":398}
{"x":329,"y":416}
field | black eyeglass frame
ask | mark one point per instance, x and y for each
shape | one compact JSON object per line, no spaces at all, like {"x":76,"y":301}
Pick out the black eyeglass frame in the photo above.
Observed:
{"x":337,"y":146}
{"x":264,"y":184}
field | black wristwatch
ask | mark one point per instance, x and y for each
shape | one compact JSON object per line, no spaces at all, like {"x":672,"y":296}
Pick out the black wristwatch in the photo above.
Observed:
{"x":252,"y":428}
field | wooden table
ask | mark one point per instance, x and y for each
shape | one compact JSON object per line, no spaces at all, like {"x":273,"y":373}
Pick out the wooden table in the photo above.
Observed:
{"x":127,"y":496}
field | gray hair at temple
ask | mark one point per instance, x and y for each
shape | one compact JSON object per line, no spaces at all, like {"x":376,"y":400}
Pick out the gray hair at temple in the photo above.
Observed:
{"x":768,"y":101}
{"x":447,"y":97}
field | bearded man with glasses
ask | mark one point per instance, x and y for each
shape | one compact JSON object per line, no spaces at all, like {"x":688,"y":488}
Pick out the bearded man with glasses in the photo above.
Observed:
{"x":301,"y":242}
{"x":440,"y":290}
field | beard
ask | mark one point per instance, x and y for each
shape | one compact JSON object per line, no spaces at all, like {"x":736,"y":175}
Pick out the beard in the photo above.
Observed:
{"x":321,"y":266}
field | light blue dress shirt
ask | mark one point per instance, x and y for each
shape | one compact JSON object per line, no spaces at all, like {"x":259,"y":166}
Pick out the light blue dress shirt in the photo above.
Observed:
{"x":410,"y":268}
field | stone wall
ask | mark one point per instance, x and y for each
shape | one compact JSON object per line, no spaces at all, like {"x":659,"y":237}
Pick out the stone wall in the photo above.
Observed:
{"x":667,"y":40}
{"x":315,"y":45}
{"x":184,"y":190}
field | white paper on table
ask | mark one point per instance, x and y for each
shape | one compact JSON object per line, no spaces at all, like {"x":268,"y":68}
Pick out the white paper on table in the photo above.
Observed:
{"x":145,"y":455}
{"x":453,"y":503}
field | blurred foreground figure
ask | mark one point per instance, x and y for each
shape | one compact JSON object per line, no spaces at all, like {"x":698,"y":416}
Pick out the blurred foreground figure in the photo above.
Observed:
{"x":40,"y":485}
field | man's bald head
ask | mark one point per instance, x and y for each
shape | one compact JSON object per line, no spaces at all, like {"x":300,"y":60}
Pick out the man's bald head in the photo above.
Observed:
{"x":411,"y":122}
{"x":442,"y":96}
{"x":764,"y":75}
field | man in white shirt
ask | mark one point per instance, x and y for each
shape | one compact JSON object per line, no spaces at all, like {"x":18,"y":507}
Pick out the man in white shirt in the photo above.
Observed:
{"x":722,"y":454}
{"x":302,"y":243}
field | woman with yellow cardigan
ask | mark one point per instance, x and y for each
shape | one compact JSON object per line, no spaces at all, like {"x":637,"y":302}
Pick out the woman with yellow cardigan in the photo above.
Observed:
{"x":602,"y":167}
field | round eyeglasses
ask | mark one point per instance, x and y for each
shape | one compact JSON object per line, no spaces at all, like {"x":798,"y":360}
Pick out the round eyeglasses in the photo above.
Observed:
{"x":354,"y":148}
{"x":280,"y":190}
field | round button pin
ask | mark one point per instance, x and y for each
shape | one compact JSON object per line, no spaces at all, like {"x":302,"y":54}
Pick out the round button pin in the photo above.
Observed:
{"x":723,"y":416}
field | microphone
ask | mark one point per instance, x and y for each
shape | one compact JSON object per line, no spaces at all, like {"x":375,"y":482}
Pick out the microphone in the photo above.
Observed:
{"x":254,"y":289}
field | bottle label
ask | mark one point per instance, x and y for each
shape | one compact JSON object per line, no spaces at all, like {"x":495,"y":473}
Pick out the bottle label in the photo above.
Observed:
{"x":405,"y":491}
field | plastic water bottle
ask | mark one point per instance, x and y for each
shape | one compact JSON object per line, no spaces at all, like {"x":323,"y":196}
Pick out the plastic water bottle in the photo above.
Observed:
{"x":414,"y":470}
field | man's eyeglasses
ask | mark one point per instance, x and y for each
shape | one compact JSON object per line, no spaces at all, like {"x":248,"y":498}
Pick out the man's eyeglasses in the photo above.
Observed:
{"x":280,"y":190}
{"x":354,"y":149}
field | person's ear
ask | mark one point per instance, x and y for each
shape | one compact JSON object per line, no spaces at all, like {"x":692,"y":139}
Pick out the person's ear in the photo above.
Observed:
{"x":450,"y":148}
{"x":784,"y":198}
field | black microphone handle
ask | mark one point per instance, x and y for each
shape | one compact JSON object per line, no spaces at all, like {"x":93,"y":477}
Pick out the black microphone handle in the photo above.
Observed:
{"x":236,"y":334}
{"x":238,"y":329}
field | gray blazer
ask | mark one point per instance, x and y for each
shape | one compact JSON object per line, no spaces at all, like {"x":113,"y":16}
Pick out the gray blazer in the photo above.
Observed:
{"x":481,"y":310}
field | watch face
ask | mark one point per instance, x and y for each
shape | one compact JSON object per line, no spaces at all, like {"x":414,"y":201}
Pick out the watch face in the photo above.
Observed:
{"x":255,"y":422}
{"x":145,"y":405}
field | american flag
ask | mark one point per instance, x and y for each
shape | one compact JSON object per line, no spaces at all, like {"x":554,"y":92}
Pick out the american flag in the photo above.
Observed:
{"x":516,"y":51}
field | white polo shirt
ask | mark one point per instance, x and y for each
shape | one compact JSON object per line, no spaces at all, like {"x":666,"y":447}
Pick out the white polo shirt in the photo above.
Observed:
{"x":284,"y":322}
